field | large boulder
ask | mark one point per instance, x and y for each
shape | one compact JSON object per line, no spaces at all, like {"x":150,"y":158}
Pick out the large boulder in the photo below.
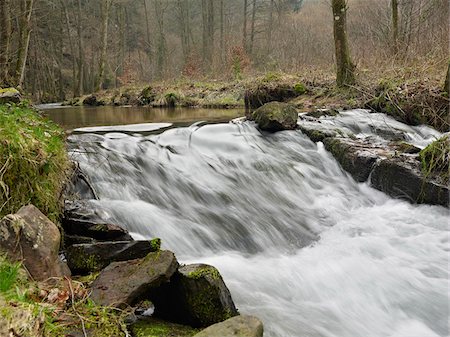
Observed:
{"x":29,"y":236}
{"x":239,"y":326}
{"x":276,"y":116}
{"x":196,"y":296}
{"x":401,"y":177}
{"x":92,"y":257}
{"x":353,"y":156}
{"x":9,"y":95}
{"x":126,"y":283}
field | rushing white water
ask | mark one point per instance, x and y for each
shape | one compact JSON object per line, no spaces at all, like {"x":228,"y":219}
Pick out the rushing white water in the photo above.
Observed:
{"x":299,"y":243}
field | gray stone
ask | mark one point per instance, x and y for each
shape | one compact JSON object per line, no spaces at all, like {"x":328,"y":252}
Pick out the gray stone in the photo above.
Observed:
{"x":126,"y":283}
{"x":92,"y":257}
{"x":196,"y":296}
{"x":239,"y":326}
{"x":29,"y":236}
{"x":276,"y":116}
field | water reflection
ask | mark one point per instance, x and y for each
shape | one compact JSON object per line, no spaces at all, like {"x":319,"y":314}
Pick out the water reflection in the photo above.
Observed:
{"x":75,"y":117}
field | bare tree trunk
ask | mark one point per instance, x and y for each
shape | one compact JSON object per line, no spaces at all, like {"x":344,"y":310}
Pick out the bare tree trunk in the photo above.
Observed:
{"x":24,"y":40}
{"x":162,"y":44}
{"x":72,"y":48}
{"x":5,"y":39}
{"x":394,"y":4}
{"x":244,"y":28}
{"x":447,"y":80}
{"x":270,"y":27}
{"x":252,"y":32}
{"x":184,"y":28}
{"x":208,"y":32}
{"x":105,"y":6}
{"x":80,"y":88}
{"x":222,"y":42}
{"x":148,"y":47}
{"x":345,"y":68}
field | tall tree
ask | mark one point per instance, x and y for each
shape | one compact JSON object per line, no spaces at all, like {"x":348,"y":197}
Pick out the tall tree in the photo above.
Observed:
{"x":344,"y":66}
{"x":394,"y":5}
{"x":208,"y":32}
{"x":447,"y":79}
{"x":244,"y":26}
{"x":104,"y":8}
{"x":161,"y":48}
{"x":26,"y":11}
{"x":252,"y":31}
{"x":183,"y":9}
{"x":5,"y":39}
{"x":80,"y":61}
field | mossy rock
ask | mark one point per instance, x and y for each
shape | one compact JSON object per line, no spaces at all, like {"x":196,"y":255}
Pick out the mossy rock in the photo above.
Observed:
{"x":276,"y":116}
{"x":152,"y":327}
{"x":9,"y":95}
{"x":196,"y":296}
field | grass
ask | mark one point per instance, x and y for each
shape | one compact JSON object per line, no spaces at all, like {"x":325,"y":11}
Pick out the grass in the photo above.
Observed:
{"x":435,"y":158}
{"x":56,"y":309}
{"x":33,"y":161}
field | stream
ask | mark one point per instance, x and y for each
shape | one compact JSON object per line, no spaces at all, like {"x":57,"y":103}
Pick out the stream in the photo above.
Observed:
{"x":299,"y":243}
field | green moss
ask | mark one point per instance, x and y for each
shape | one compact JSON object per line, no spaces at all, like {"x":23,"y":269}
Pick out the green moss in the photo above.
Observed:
{"x":272,"y":77}
{"x":435,"y":158}
{"x":33,"y":161}
{"x":205,"y":271}
{"x":155,"y":244}
{"x":157,"y":328}
{"x":300,"y":89}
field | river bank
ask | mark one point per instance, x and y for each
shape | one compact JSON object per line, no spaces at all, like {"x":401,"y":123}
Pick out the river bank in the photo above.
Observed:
{"x":410,"y":97}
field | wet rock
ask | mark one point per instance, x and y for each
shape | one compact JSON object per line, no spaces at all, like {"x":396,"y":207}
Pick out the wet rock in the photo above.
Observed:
{"x":126,"y":283}
{"x":196,"y":296}
{"x":83,"y":220}
{"x":401,"y":177}
{"x":323,"y":112}
{"x":99,"y":231}
{"x":353,"y":156}
{"x":29,"y":236}
{"x":239,"y":326}
{"x":92,"y":257}
{"x":276,"y":116}
{"x":9,"y":95}
{"x":157,"y":328}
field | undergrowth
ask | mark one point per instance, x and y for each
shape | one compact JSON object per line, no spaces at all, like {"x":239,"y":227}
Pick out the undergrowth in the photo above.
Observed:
{"x":435,"y":158}
{"x":33,"y":161}
{"x":57,"y":308}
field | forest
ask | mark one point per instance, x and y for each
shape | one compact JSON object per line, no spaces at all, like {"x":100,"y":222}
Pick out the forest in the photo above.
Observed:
{"x":224,"y":168}
{"x":56,"y":50}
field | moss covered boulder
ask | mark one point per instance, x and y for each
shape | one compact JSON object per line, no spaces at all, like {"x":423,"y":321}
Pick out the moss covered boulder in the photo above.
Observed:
{"x":196,"y":296}
{"x":276,"y":116}
{"x":128,"y":282}
{"x":239,"y":326}
{"x":86,"y":258}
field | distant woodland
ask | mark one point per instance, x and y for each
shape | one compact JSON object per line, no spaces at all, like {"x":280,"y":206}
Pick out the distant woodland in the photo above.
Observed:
{"x":56,"y":49}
